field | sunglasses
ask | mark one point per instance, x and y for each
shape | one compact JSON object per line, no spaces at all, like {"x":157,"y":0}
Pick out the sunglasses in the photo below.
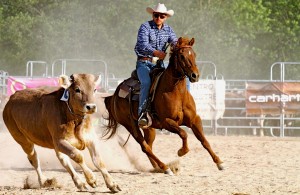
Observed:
{"x":162,"y":16}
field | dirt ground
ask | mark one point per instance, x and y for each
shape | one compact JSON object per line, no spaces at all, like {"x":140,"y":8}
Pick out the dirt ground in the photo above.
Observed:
{"x":254,"y":165}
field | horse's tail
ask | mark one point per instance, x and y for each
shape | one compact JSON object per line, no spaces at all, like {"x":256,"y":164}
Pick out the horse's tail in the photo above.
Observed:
{"x":111,"y":127}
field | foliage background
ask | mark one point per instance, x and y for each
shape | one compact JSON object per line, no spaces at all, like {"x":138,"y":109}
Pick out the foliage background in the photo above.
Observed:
{"x":242,"y":37}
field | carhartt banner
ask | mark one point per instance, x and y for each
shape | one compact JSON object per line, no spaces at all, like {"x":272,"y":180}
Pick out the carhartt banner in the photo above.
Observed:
{"x":272,"y":97}
{"x":209,"y":96}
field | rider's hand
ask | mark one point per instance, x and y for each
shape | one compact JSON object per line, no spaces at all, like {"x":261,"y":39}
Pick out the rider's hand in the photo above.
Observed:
{"x":160,"y":54}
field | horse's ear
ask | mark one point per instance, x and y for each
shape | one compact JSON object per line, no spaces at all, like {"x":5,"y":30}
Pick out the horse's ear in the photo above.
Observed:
{"x":192,"y":41}
{"x":179,"y":42}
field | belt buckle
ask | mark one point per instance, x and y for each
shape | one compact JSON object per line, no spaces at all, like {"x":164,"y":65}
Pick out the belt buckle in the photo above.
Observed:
{"x":146,"y":59}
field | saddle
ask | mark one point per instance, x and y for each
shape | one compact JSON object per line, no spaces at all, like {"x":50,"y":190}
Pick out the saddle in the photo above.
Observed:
{"x":130,"y":88}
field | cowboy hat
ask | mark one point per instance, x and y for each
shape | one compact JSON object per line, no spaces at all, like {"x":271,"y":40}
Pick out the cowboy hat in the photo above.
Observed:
{"x":160,"y":8}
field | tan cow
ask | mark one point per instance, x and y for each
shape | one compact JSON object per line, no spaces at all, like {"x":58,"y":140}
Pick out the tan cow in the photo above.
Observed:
{"x":59,"y":119}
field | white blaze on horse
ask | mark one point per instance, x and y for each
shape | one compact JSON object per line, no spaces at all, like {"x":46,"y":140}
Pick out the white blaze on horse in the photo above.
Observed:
{"x":59,"y":119}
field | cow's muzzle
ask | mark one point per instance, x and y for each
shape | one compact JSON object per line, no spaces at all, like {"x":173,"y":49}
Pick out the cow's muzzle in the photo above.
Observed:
{"x":90,"y":108}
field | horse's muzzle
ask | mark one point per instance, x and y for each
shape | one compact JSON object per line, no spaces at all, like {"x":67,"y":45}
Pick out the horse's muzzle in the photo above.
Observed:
{"x":194,"y":77}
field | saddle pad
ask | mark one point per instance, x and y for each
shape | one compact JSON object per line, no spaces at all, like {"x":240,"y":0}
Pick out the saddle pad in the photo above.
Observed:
{"x":123,"y":93}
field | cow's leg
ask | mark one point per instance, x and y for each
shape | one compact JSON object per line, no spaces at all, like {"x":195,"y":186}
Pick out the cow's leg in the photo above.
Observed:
{"x":65,"y":161}
{"x":28,"y":148}
{"x":137,"y":135}
{"x":197,"y":128}
{"x":173,"y":127}
{"x":66,"y":148}
{"x":34,"y":160}
{"x":95,"y":155}
{"x":150,"y":135}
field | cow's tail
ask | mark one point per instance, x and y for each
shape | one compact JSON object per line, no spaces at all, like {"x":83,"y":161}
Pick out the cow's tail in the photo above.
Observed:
{"x":111,"y":127}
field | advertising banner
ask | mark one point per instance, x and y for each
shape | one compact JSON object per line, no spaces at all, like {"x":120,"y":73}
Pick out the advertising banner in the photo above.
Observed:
{"x":209,"y":96}
{"x":272,"y":97}
{"x":18,"y":83}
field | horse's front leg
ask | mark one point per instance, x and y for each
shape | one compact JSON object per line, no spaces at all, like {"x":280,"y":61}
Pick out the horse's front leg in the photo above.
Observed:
{"x":197,"y":128}
{"x":173,"y":127}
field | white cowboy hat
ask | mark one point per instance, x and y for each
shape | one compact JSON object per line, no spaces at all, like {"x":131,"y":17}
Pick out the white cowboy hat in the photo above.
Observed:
{"x":160,"y":8}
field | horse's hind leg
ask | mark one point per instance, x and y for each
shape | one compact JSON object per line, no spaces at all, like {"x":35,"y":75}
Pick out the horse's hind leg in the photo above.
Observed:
{"x":137,"y":135}
{"x":198,"y":131}
{"x":149,"y":135}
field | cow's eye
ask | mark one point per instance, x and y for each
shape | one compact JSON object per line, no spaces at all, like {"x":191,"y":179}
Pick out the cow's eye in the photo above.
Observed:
{"x":77,"y":90}
{"x":95,"y":90}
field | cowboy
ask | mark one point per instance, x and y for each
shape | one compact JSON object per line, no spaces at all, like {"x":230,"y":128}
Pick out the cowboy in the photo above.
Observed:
{"x":152,"y":37}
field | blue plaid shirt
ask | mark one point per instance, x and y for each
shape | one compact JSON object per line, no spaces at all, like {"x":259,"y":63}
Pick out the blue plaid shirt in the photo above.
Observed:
{"x":151,"y":38}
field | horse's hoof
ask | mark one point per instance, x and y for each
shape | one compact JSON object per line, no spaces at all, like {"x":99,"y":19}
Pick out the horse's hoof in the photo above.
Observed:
{"x":169,"y":172}
{"x":220,"y":166}
{"x":182,"y":152}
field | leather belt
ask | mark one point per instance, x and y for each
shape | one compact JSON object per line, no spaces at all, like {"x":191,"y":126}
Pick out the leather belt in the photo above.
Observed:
{"x":145,"y":59}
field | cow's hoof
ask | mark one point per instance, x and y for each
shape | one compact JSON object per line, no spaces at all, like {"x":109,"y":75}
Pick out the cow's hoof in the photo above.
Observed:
{"x":115,"y":188}
{"x":92,"y":182}
{"x":82,"y":187}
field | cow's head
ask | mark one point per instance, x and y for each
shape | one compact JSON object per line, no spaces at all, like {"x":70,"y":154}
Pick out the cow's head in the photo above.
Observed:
{"x":81,"y":92}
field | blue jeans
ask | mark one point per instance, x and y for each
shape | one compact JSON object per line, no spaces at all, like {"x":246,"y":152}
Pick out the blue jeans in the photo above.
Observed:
{"x":143,"y":69}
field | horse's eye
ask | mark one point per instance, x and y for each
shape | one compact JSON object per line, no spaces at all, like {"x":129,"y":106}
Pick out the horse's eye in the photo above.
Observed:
{"x":77,"y":90}
{"x":95,"y":90}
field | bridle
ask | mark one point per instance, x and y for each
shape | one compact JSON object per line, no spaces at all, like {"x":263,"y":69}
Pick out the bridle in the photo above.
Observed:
{"x":177,"y":61}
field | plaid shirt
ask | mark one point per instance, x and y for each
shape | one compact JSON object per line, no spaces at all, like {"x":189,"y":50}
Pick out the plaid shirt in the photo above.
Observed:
{"x":151,"y":38}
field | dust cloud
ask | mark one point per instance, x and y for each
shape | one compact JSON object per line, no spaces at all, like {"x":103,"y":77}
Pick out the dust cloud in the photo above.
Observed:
{"x":116,"y":158}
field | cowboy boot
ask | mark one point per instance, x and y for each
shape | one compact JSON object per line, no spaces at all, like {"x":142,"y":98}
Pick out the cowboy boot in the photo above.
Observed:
{"x":143,"y":120}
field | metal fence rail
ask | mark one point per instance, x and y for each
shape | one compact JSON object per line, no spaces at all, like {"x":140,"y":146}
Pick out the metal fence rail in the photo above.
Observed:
{"x":235,"y":119}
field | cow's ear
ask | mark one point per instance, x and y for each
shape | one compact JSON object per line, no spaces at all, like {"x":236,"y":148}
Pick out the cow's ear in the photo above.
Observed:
{"x":98,"y":80}
{"x":64,"y":81}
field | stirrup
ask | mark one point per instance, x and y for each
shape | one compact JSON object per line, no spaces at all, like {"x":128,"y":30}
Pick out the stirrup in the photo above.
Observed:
{"x":143,"y":121}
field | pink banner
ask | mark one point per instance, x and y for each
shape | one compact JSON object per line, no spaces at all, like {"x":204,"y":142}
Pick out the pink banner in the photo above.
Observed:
{"x":18,"y":83}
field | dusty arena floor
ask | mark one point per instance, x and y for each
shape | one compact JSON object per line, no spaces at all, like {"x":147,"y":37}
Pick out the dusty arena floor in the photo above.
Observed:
{"x":254,"y":165}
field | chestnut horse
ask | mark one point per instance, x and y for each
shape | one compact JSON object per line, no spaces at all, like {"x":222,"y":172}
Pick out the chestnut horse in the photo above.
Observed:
{"x":173,"y":105}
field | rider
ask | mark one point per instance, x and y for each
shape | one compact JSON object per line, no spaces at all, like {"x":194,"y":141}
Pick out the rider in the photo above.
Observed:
{"x":152,"y":37}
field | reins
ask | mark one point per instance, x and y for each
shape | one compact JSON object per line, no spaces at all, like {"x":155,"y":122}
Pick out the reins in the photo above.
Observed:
{"x":177,"y":61}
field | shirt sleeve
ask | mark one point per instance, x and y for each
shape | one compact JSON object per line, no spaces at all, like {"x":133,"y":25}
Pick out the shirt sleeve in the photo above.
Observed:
{"x":143,"y":47}
{"x":173,"y":38}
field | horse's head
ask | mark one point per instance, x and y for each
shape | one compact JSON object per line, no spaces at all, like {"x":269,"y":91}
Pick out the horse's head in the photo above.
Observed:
{"x":184,"y":58}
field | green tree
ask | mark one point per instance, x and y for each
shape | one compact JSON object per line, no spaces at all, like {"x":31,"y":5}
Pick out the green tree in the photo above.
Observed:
{"x":246,"y":35}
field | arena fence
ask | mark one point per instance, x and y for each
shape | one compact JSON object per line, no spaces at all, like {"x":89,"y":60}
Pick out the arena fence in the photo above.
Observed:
{"x":234,"y":121}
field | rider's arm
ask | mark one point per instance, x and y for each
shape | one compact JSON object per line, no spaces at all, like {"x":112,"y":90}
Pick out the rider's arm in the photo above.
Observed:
{"x":143,"y":47}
